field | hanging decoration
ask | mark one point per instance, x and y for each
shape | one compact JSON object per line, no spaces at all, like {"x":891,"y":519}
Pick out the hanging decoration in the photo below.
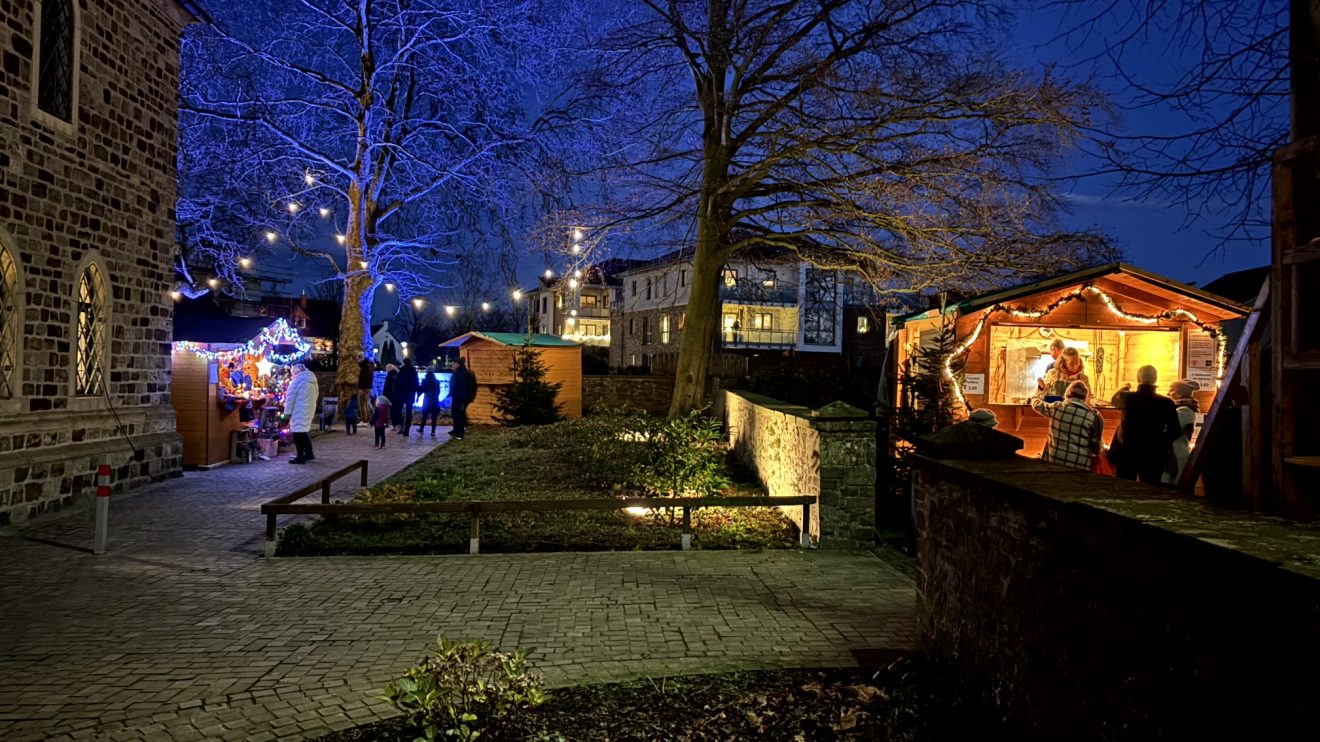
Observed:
{"x":1221,"y":356}
{"x":263,"y":345}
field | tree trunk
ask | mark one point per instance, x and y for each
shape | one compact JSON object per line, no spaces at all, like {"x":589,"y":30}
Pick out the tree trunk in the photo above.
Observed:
{"x":1304,"y":37}
{"x":701,"y":325}
{"x":355,"y":319}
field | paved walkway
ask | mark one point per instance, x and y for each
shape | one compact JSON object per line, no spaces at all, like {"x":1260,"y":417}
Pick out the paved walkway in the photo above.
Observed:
{"x":182,"y":632}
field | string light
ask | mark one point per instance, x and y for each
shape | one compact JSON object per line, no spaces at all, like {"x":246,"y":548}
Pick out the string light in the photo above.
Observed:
{"x":389,"y":287}
{"x":1221,"y":355}
{"x":417,"y":303}
{"x":245,"y":262}
{"x":325,"y":212}
{"x":340,"y":238}
{"x":577,"y":235}
{"x":175,"y":295}
{"x":293,"y":207}
{"x":576,"y":248}
{"x":485,"y":306}
{"x":271,"y":236}
{"x":517,"y":294}
{"x":212,"y":282}
{"x":577,"y":273}
{"x":449,"y":311}
{"x":363,"y":264}
{"x":572,"y":312}
{"x":309,"y":179}
{"x":276,"y":334}
{"x":549,"y":273}
{"x":572,"y":283}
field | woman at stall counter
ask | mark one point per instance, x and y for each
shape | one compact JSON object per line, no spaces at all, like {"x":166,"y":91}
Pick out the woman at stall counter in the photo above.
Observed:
{"x":1067,"y":370}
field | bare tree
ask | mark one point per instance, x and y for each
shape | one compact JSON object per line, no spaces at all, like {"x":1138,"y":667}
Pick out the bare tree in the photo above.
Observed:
{"x":884,"y":138}
{"x":374,"y":128}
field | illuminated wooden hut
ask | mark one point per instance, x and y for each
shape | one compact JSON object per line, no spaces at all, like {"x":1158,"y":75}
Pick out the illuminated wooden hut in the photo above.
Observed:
{"x":1118,"y":317}
{"x":490,"y":356}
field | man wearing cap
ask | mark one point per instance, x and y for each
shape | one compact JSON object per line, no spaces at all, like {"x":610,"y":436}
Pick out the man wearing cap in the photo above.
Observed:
{"x":1075,"y":429}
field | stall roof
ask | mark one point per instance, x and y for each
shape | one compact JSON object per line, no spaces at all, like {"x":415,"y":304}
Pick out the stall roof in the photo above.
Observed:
{"x":540,"y":340}
{"x":201,"y":321}
{"x":1119,"y":273}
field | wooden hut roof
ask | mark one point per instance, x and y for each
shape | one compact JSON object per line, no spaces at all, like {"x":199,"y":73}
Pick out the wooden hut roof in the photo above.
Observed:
{"x":512,"y":339}
{"x":1114,"y":278}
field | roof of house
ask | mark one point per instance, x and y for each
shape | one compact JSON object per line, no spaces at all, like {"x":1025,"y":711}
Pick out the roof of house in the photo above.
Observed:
{"x":1240,"y":286}
{"x":1121,"y":273}
{"x":513,"y":339}
{"x":201,"y":321}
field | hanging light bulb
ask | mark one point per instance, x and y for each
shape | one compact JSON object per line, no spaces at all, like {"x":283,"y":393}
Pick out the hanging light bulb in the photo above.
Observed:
{"x":549,"y":273}
{"x":340,"y":238}
{"x":577,"y":273}
{"x":572,"y":283}
{"x":245,"y":262}
{"x":517,"y":294}
{"x":363,"y":264}
{"x":325,"y":212}
{"x":175,"y":295}
{"x":309,"y":179}
{"x":577,"y":235}
{"x":449,"y":311}
{"x":417,"y":303}
{"x":389,"y":287}
{"x":576,"y":248}
{"x":293,"y":207}
{"x":572,"y":312}
{"x":485,"y":306}
{"x":271,"y":236}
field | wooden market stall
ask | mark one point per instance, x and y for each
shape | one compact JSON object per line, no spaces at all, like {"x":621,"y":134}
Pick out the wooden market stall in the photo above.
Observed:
{"x":490,"y":356}
{"x":216,"y":405}
{"x":1118,"y":317}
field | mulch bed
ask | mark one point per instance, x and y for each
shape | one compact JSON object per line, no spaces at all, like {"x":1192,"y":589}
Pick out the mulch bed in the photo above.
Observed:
{"x":911,"y":699}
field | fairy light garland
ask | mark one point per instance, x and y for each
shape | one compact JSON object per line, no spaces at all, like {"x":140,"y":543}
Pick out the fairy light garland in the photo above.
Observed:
{"x":1221,"y":355}
{"x":276,"y":334}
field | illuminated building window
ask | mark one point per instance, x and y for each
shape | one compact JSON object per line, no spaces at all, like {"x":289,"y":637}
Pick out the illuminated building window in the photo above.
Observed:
{"x":90,"y":361}
{"x":664,"y":328}
{"x":8,"y":322}
{"x":730,"y":277}
{"x":1020,"y":355}
{"x":588,"y":301}
{"x":863,"y":325}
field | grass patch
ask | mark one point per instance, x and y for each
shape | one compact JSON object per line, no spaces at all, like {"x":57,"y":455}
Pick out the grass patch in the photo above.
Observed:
{"x":552,"y":462}
{"x":913,"y":699}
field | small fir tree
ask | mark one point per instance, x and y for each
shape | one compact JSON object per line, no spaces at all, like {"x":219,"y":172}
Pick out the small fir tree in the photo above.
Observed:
{"x":929,"y":402}
{"x":530,"y":399}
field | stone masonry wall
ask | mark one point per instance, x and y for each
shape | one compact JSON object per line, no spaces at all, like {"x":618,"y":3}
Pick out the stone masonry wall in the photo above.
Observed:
{"x":100,"y":190}
{"x":1103,"y":609}
{"x":647,"y":393}
{"x":794,"y":453}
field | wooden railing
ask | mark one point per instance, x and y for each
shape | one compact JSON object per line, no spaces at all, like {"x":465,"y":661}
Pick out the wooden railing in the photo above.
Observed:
{"x":268,"y":509}
{"x":475,"y":508}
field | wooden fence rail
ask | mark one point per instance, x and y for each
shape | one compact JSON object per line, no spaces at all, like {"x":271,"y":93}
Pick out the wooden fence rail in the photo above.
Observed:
{"x":323,"y":484}
{"x":474,"y":508}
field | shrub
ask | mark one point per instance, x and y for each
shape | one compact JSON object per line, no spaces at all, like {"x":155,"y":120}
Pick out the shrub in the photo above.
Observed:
{"x":464,"y":688}
{"x":530,"y":399}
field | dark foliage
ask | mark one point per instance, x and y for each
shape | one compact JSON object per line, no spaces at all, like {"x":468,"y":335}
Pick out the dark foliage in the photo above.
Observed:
{"x":530,"y":399}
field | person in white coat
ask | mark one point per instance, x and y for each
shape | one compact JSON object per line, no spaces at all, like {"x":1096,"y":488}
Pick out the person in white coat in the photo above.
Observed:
{"x":300,"y":406}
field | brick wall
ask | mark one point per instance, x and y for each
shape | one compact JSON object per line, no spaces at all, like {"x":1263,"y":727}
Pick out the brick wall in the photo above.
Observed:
{"x":99,"y":191}
{"x":794,"y":453}
{"x":1103,"y":609}
{"x":632,"y":343}
{"x":647,"y":393}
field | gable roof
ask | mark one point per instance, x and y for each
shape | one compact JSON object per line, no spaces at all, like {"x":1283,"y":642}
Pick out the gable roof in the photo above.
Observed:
{"x":1240,"y":286}
{"x":512,"y":339}
{"x":1120,"y":273}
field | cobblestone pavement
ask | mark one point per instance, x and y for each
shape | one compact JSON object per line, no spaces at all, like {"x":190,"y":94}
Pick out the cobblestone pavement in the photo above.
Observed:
{"x":182,"y":632}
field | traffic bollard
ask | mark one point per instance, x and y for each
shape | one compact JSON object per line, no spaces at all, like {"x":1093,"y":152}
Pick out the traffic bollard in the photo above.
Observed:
{"x":102,"y":507}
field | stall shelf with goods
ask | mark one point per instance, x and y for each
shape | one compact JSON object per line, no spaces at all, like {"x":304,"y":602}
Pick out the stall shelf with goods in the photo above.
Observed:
{"x":1118,"y":317}
{"x":490,"y":356}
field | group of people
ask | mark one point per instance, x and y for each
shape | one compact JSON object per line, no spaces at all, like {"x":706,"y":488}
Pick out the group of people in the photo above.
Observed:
{"x":1153,"y":440}
{"x":393,"y":407}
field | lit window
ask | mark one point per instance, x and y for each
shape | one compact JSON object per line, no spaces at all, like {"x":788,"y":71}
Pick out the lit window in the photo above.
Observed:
{"x":91,"y":333}
{"x":681,"y":318}
{"x":730,"y":277}
{"x":769,"y":280}
{"x":763,"y":321}
{"x":559,"y":301}
{"x":8,"y":322}
{"x":664,"y":328}
{"x":863,"y":325}
{"x":56,"y":61}
{"x":588,"y":301}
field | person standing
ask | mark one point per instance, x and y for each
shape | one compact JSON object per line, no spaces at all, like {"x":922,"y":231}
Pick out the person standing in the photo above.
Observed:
{"x":366,"y":378}
{"x":391,"y":378}
{"x":1076,"y":429}
{"x":430,"y":390}
{"x":1181,"y":392}
{"x":380,"y":419}
{"x":1149,"y":428}
{"x":405,"y":394}
{"x":300,"y":406}
{"x":351,"y":414}
{"x":462,"y":390}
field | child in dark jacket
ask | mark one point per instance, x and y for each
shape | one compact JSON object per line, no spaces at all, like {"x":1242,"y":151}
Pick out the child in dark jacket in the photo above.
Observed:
{"x":381,"y":420}
{"x":351,"y":415}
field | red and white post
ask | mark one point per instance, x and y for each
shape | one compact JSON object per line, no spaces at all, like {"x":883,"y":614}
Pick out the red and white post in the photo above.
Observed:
{"x":102,"y":508}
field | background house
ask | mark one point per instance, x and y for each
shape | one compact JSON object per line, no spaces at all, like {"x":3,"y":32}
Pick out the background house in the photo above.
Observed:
{"x":88,"y":132}
{"x":577,"y":306}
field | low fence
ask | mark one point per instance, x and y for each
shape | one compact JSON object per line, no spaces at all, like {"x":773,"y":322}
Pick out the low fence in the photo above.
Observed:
{"x":722,"y":365}
{"x":287,"y":505}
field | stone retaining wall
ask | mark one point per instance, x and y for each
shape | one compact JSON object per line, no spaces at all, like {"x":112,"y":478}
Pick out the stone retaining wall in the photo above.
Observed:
{"x":1103,"y":609}
{"x":796,"y":453}
{"x":647,"y":393}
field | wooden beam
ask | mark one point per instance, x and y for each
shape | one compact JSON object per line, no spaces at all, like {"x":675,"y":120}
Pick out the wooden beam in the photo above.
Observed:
{"x":1251,"y":333}
{"x":529,"y":506}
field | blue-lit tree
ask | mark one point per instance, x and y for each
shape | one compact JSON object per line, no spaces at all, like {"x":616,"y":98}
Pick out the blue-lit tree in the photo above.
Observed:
{"x":885,"y":138}
{"x":363,"y":135}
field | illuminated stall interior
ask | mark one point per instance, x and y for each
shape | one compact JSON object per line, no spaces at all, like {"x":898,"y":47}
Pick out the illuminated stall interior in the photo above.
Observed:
{"x":1119,"y":318}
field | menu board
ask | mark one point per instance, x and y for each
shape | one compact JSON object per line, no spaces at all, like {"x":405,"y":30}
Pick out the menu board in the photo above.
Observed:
{"x":1202,"y":351}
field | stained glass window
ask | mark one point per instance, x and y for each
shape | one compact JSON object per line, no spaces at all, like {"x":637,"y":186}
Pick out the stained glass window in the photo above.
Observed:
{"x":91,"y":332}
{"x":8,"y":323}
{"x":55,"y":67}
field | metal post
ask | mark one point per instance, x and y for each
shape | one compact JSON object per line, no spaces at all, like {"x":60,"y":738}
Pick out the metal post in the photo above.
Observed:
{"x":687,"y":528}
{"x":806,"y":525}
{"x":474,"y":536}
{"x":102,"y":508}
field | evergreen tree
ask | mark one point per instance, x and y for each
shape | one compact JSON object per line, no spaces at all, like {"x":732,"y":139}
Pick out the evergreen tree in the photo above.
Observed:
{"x":530,"y":399}
{"x":929,"y":401}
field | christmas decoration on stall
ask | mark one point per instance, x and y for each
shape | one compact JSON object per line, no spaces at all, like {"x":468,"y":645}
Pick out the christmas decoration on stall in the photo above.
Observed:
{"x":1221,"y":356}
{"x":256,"y":368}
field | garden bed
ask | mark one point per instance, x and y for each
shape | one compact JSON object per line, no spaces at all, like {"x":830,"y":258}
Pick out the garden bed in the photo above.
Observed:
{"x":581,"y":459}
{"x":912,"y":699}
